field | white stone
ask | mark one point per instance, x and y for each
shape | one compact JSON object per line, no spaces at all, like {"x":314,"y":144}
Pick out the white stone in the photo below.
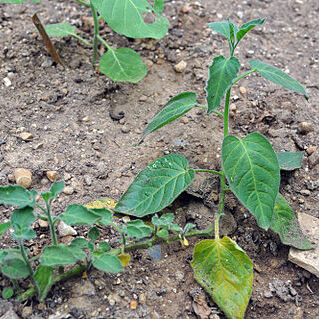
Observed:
{"x":66,"y":230}
{"x":307,"y":259}
{"x":180,"y":67}
{"x":7,"y":82}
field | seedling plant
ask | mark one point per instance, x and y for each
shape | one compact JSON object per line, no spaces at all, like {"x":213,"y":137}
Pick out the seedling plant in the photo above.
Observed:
{"x":127,"y":17}
{"x":250,"y":169}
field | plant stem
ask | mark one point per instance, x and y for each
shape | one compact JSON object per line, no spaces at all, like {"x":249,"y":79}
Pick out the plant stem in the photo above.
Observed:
{"x":51,"y":223}
{"x":103,"y":41}
{"x":27,"y":261}
{"x":208,"y":171}
{"x":82,"y":40}
{"x":83,"y":2}
{"x":96,"y":33}
{"x":226,"y":113}
{"x":205,"y":107}
{"x":243,"y":75}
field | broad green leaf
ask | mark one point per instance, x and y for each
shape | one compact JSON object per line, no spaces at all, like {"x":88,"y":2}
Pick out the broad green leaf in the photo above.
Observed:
{"x":246,"y":27}
{"x":44,"y":280}
{"x":122,"y":65}
{"x":253,"y":174}
{"x":159,"y":6}
{"x":17,"y":195}
{"x":277,"y":76}
{"x":80,"y":243}
{"x":126,"y":17}
{"x":4,"y":227}
{"x":157,"y":186}
{"x":79,"y":215}
{"x":188,"y":227}
{"x":226,"y":273}
{"x":137,"y":228}
{"x":105,"y":214}
{"x":164,"y":220}
{"x":107,"y":263}
{"x":9,"y":253}
{"x":61,"y":255}
{"x":18,"y":1}
{"x":225,"y":28}
{"x":221,"y":74}
{"x":24,"y":233}
{"x":289,"y":161}
{"x":22,"y":218}
{"x":62,"y":29}
{"x":104,"y":247}
{"x":14,"y":268}
{"x":93,"y":234}
{"x":285,"y":223}
{"x":7,"y":293}
{"x":57,"y":188}
{"x":173,"y":109}
{"x":163,"y":233}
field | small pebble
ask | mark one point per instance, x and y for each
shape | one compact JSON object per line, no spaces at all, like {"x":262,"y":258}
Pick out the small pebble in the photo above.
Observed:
{"x":268,"y":294}
{"x":68,"y":190}
{"x":305,"y":192}
{"x":23,"y":177}
{"x":142,"y":298}
{"x":52,"y":175}
{"x":85,"y":119}
{"x":66,"y":230}
{"x":133,"y":304}
{"x":7,"y":82}
{"x":233,"y":107}
{"x":180,"y":67}
{"x":43,"y":223}
{"x":143,"y":98}
{"x":125,"y":129}
{"x":311,"y":149}
{"x":242,"y":90}
{"x":26,"y":312}
{"x":305,"y":127}
{"x":25,"y":136}
{"x":184,"y":120}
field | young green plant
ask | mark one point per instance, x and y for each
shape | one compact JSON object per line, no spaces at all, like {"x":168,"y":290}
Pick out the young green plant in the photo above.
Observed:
{"x":122,"y":64}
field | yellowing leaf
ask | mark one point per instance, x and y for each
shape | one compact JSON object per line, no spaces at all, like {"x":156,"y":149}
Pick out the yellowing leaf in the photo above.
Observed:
{"x":124,"y":258}
{"x":104,"y":202}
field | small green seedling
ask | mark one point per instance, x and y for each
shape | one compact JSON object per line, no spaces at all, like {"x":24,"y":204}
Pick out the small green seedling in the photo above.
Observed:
{"x":125,"y":17}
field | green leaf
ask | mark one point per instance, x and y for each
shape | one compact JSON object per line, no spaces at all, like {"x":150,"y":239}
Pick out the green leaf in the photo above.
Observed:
{"x":22,"y":218}
{"x":62,"y":29}
{"x":61,"y":255}
{"x":107,"y":263}
{"x":253,"y":174}
{"x":224,"y":28}
{"x":44,"y":280}
{"x":221,"y":74}
{"x":285,"y":223}
{"x":157,"y":186}
{"x":104,"y":247}
{"x":126,"y":17}
{"x":93,"y":234}
{"x":137,"y":228}
{"x":164,"y":221}
{"x":4,"y":227}
{"x":277,"y":76}
{"x":188,"y":227}
{"x":79,"y":215}
{"x":246,"y":27}
{"x":163,"y":233}
{"x":17,"y":195}
{"x":122,"y":65}
{"x":57,"y":188}
{"x":173,"y":109}
{"x":9,"y":253}
{"x":226,"y":273}
{"x":18,"y":1}
{"x":80,"y":243}
{"x":7,"y":293}
{"x":159,"y":6}
{"x":105,"y":214}
{"x":24,"y":233}
{"x":289,"y":161}
{"x":14,"y":268}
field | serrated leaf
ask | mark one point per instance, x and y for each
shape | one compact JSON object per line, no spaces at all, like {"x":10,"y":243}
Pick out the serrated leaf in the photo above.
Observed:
{"x":226,"y":273}
{"x":289,"y":161}
{"x":61,"y":255}
{"x":221,"y":74}
{"x":104,"y":202}
{"x":126,"y":17}
{"x":122,"y":65}
{"x":137,"y":228}
{"x":93,"y":234}
{"x":107,"y":263}
{"x":62,"y":29}
{"x":7,"y":293}
{"x":79,"y":215}
{"x":14,"y":268}
{"x":173,"y":109}
{"x":285,"y":223}
{"x":4,"y":227}
{"x":105,"y":214}
{"x":17,"y":195}
{"x":253,"y":174}
{"x":157,"y":186}
{"x":246,"y":27}
{"x":224,"y":28}
{"x":44,"y":281}
{"x":277,"y":76}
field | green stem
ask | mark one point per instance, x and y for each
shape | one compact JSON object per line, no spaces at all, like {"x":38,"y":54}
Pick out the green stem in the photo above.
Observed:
{"x":121,"y":233}
{"x":205,"y":107}
{"x":208,"y":171}
{"x":26,"y":260}
{"x":243,"y":75}
{"x":82,"y":40}
{"x":51,"y":224}
{"x":83,"y":2}
{"x":226,"y":113}
{"x":96,"y":33}
{"x":103,"y":41}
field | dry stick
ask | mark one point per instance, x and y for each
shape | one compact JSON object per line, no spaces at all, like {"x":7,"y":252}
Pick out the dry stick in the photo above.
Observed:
{"x":50,"y":47}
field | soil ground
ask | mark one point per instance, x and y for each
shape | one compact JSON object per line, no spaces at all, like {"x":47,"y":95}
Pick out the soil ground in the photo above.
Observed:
{"x":68,"y":113}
